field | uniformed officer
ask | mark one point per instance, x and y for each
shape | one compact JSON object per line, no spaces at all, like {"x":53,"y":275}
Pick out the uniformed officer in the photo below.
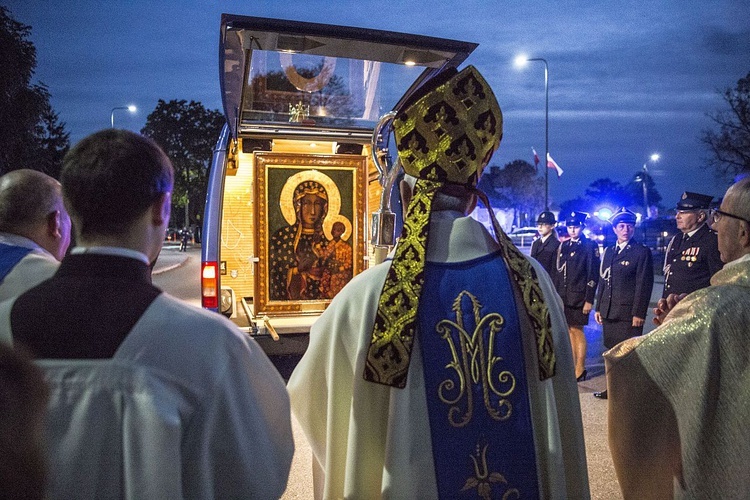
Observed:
{"x":627,"y":277}
{"x":544,"y":248}
{"x":577,"y":274}
{"x":693,"y":254}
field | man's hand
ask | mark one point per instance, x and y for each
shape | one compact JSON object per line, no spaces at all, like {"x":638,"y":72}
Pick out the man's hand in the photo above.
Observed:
{"x":598,"y":317}
{"x":587,"y":308}
{"x":665,"y":305}
{"x":638,"y":322}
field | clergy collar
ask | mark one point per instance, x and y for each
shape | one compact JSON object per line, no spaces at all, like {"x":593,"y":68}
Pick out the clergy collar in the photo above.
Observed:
{"x":116,"y":251}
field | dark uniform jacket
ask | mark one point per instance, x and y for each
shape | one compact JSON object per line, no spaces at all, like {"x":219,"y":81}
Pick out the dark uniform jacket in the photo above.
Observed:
{"x":689,"y":264}
{"x":626,"y":281}
{"x":577,"y":271}
{"x":546,"y":253}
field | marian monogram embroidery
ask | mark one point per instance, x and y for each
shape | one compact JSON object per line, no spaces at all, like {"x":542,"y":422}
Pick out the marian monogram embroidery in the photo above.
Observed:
{"x":474,"y":364}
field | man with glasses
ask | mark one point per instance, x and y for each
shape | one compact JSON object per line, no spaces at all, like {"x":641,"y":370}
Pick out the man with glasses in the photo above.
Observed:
{"x":693,"y":254}
{"x":679,"y":397}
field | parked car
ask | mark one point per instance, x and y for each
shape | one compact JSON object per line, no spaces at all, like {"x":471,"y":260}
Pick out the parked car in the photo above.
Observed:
{"x":523,"y":236}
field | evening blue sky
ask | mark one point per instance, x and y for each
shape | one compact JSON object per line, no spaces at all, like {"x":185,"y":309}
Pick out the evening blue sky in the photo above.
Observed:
{"x":626,"y":79}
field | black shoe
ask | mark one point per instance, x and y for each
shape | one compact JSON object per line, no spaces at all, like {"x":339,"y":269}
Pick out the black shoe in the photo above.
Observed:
{"x":601,"y":395}
{"x":582,"y":377}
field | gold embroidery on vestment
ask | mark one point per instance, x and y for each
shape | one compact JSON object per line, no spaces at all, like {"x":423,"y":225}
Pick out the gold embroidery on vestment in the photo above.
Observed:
{"x":483,"y":479}
{"x":474,"y":361}
{"x":396,"y":320}
{"x":447,"y":136}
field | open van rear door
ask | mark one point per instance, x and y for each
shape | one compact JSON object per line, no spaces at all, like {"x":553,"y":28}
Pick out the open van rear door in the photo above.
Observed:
{"x":302,"y":102}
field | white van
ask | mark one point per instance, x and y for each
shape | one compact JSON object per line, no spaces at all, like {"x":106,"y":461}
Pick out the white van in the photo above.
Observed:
{"x":295,"y":177}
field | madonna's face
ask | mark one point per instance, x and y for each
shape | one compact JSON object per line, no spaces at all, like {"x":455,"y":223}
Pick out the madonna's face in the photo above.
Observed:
{"x":312,"y":209}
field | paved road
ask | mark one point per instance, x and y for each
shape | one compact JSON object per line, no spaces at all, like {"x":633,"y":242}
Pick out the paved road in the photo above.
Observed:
{"x":602,"y":479}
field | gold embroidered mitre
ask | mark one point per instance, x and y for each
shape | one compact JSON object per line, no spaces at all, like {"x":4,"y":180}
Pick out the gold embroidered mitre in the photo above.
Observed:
{"x":445,"y":134}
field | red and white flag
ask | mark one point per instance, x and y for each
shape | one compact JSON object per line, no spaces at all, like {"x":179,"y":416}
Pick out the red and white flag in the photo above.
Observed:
{"x":536,"y":157}
{"x":554,"y":166}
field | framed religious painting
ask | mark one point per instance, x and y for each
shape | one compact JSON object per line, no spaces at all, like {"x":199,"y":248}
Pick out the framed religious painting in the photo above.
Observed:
{"x":309,"y":220}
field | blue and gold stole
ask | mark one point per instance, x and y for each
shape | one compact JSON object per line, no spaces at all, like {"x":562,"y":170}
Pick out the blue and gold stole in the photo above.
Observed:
{"x":475,"y":382}
{"x":10,"y":255}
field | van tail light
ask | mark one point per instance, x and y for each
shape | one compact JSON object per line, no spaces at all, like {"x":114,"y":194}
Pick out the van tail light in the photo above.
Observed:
{"x":209,"y":285}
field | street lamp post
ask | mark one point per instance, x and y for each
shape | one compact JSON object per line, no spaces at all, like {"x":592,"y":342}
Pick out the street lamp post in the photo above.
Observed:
{"x":521,"y":61}
{"x":654,"y":158}
{"x":130,"y":108}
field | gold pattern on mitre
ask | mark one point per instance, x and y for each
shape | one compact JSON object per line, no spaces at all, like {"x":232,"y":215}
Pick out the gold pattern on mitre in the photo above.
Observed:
{"x":449,"y":134}
{"x":445,"y":135}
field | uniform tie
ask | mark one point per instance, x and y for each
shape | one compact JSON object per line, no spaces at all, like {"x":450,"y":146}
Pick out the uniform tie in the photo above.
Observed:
{"x":684,"y":242}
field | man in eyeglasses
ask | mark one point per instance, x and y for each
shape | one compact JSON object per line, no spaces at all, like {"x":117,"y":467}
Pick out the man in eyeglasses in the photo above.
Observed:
{"x":679,"y":397}
{"x":693,"y":254}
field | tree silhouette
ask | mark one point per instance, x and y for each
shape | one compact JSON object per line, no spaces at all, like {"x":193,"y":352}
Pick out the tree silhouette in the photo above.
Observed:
{"x":187,"y":132}
{"x":31,"y":135}
{"x":635,"y":190}
{"x":729,"y":147}
{"x":516,"y":186}
{"x":602,"y":192}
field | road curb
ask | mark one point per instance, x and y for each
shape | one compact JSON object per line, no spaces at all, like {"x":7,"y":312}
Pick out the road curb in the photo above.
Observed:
{"x":169,"y":267}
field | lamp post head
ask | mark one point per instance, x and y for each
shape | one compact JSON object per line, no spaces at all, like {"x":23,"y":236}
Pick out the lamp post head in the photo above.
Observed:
{"x":521,"y":60}
{"x":129,"y":107}
{"x":655,"y":157}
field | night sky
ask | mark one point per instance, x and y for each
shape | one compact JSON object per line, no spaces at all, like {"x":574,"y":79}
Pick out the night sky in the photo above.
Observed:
{"x":626,"y":79}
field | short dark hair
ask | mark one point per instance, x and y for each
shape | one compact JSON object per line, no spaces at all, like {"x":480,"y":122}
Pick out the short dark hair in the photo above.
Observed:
{"x":111,"y":178}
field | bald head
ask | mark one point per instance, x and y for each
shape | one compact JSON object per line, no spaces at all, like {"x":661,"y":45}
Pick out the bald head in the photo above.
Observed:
{"x":738,"y":198}
{"x":734,"y":232}
{"x":31,"y":206}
